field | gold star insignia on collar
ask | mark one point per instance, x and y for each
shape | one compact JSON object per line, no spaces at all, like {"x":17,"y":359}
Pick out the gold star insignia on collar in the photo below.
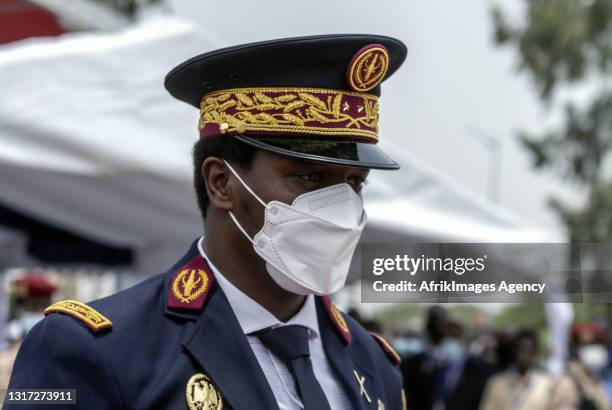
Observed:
{"x":362,"y":389}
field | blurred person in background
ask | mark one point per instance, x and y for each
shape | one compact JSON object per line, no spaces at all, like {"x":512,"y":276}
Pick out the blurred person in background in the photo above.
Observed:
{"x":484,"y":345}
{"x":606,"y":376}
{"x":408,"y":343}
{"x":523,"y":386}
{"x":422,"y":371}
{"x":444,"y":376}
{"x":31,"y":294}
{"x":371,"y":325}
{"x":505,"y":349}
{"x":581,"y":387}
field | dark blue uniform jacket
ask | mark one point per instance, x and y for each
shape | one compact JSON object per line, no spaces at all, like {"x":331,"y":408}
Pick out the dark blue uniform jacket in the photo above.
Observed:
{"x":145,"y":360}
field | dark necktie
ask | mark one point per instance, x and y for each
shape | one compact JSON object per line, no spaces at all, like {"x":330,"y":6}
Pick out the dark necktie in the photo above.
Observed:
{"x":290,"y":344}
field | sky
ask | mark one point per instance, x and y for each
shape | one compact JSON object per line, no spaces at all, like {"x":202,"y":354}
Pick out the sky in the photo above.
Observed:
{"x":455,"y":80}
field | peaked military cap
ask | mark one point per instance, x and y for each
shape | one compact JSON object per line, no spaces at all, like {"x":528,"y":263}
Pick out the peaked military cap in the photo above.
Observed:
{"x":314,"y":98}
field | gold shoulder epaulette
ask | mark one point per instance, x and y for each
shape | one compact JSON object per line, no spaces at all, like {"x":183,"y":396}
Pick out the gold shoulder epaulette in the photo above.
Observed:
{"x":90,"y":317}
{"x":391,"y":353}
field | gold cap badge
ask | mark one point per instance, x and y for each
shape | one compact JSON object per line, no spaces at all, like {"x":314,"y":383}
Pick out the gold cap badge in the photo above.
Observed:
{"x":202,"y":395}
{"x":368,"y":67}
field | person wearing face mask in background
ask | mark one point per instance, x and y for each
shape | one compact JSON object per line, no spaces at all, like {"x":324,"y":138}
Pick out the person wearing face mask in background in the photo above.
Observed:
{"x":581,"y":387}
{"x":423,"y":372}
{"x":523,"y":386}
{"x":244,"y":320}
{"x":30,"y":295}
{"x":444,"y":376}
{"x":606,"y":374}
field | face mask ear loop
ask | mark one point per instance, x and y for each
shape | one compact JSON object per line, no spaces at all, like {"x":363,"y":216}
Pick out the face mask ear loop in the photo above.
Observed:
{"x":244,"y":184}
{"x":231,"y":214}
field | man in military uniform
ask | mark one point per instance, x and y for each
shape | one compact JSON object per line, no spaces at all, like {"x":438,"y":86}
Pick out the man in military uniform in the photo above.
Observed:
{"x":288,"y":133}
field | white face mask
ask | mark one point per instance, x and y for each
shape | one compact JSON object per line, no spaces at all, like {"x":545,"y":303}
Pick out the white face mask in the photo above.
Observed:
{"x":451,"y":349}
{"x":308,"y":245}
{"x":594,"y":357}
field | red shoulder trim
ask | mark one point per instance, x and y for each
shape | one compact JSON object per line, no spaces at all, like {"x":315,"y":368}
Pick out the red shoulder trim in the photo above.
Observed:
{"x":387,"y":348}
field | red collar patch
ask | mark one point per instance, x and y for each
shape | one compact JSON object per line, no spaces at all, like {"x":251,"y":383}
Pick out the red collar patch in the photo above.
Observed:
{"x":336,"y":317}
{"x":190,"y":285}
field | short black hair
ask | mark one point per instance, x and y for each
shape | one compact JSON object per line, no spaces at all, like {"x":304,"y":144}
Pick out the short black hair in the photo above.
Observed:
{"x":220,"y":146}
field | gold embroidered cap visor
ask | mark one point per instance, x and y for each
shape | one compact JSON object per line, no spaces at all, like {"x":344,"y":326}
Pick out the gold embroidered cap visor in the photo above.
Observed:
{"x":311,"y":98}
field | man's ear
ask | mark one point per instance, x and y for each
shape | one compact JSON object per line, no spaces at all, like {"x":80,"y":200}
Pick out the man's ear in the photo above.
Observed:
{"x":216,"y":176}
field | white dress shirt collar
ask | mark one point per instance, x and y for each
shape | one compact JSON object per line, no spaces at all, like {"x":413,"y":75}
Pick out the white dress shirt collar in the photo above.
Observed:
{"x":253,"y":317}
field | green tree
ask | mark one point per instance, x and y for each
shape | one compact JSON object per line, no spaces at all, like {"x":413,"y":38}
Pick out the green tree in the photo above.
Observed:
{"x":561,"y":43}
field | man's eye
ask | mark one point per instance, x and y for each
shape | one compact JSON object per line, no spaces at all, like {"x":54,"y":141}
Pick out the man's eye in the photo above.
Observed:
{"x":310,"y":176}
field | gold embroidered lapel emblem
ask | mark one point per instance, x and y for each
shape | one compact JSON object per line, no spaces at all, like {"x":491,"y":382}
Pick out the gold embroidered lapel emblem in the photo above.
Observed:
{"x":202,"y":394}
